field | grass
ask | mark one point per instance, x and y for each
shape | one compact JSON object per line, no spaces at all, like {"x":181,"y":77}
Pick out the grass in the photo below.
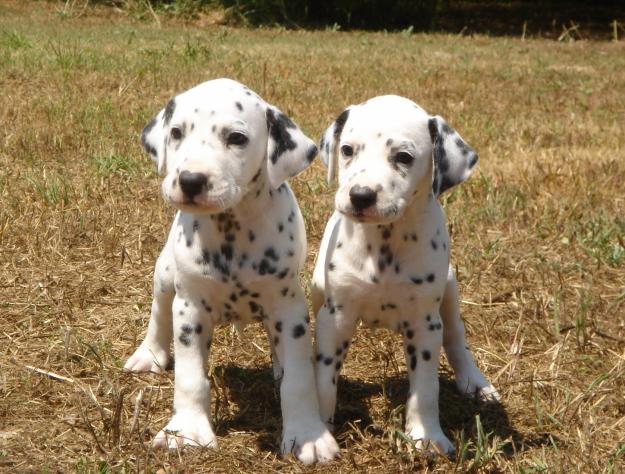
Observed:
{"x":538,"y":243}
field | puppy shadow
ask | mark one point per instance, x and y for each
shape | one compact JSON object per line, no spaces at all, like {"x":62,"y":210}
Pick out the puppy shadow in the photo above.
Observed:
{"x":248,"y":400}
{"x":457,"y":412}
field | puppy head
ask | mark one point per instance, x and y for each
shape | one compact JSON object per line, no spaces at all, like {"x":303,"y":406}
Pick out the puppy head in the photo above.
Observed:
{"x":215,"y":141}
{"x":388,"y":150}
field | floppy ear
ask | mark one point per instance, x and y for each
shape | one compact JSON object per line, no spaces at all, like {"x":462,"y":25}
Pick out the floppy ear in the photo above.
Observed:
{"x":453,"y":158}
{"x":154,"y":134}
{"x":329,"y":144}
{"x":289,"y":151}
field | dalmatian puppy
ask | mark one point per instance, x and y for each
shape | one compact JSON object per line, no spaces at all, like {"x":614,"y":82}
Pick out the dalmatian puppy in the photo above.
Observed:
{"x":233,"y":255}
{"x":384,"y":256}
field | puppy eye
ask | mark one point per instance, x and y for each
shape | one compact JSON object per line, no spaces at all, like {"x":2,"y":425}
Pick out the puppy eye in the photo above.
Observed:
{"x":175,"y":133}
{"x":237,"y":139}
{"x":404,"y":158}
{"x":347,"y":150}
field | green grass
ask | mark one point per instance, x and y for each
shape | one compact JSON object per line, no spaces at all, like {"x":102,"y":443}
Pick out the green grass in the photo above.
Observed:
{"x":537,"y":240}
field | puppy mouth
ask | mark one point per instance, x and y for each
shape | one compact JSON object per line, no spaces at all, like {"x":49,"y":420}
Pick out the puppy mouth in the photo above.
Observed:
{"x":218,"y":200}
{"x":371,"y":214}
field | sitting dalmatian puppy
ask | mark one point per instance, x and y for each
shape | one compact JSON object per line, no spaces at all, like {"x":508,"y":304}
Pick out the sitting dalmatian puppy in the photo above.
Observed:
{"x":384,"y":257}
{"x":233,"y":255}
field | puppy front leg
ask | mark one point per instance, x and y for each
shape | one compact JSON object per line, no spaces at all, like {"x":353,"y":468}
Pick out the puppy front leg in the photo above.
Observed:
{"x":334,"y":334}
{"x":422,"y":343}
{"x":153,"y":353}
{"x":190,"y":424}
{"x":469,"y":378}
{"x":303,"y":432}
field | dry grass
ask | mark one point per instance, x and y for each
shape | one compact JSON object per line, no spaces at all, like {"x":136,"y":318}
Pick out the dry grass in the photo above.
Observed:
{"x":538,"y":242}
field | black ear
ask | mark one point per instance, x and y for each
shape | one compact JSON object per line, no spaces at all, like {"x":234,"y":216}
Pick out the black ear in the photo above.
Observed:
{"x":289,"y":151}
{"x":454,"y":159}
{"x":153,"y":136}
{"x":329,"y":143}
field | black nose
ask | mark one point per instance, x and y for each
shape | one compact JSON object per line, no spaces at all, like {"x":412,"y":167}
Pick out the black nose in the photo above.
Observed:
{"x":192,"y":183}
{"x":362,"y":197}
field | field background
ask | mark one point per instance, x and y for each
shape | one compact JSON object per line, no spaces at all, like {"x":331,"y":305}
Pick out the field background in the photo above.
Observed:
{"x":538,"y":241}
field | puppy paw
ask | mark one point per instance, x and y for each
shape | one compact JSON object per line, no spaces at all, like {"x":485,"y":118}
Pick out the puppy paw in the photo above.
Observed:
{"x":433,"y":441}
{"x":310,"y":443}
{"x":476,"y":386}
{"x":186,"y":429}
{"x":148,"y":359}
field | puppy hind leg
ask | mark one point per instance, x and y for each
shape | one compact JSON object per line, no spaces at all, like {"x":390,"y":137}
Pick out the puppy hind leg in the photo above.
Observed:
{"x":153,"y":355}
{"x":469,"y":378}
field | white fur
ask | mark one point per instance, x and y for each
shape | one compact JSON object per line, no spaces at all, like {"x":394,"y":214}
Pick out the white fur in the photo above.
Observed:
{"x":233,"y":255}
{"x":388,"y":264}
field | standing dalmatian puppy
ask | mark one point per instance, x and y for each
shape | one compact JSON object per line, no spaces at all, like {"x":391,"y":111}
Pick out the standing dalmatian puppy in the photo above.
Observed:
{"x":233,"y":255}
{"x":384,"y":257}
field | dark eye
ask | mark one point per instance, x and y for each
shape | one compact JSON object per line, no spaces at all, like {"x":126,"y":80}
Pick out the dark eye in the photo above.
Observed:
{"x":176,"y":133}
{"x":237,"y":139}
{"x":404,"y":158}
{"x":347,"y":150}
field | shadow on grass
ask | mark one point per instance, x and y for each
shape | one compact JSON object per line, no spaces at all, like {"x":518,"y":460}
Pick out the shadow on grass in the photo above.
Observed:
{"x":257,"y":397}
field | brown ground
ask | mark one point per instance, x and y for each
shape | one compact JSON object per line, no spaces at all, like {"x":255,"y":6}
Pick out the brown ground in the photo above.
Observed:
{"x":538,"y":243}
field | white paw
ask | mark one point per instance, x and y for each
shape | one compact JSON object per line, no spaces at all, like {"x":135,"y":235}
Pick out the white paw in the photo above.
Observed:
{"x":148,"y":359}
{"x":186,"y":429}
{"x":476,"y":386}
{"x":310,"y":443}
{"x":433,"y":441}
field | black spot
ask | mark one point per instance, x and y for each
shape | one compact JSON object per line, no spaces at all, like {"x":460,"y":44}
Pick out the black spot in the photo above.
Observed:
{"x":339,"y":244}
{"x":413,"y":362}
{"x":331,"y":266}
{"x":198,"y":328}
{"x":339,"y":123}
{"x":251,"y":236}
{"x":374,"y":279}
{"x":144,"y":137}
{"x":430,"y":278}
{"x":239,"y":106}
{"x":299,"y":331}
{"x":410,"y":349}
{"x":311,"y":153}
{"x":416,"y":280}
{"x":265,"y":267}
{"x":278,"y":125}
{"x":434,"y":245}
{"x":280,"y":226}
{"x":345,"y":345}
{"x":185,"y":339}
{"x":328,"y":361}
{"x":278,"y":326}
{"x":338,"y":365}
{"x":428,"y":317}
{"x":169,"y":111}
{"x":319,"y":357}
{"x":271,"y":253}
{"x":339,"y":351}
{"x":233,"y":297}
{"x":397,"y":268}
{"x":227,"y":251}
{"x":254,"y":307}
{"x":426,"y":355}
{"x":284,"y":291}
{"x":386,"y":233}
{"x":409,"y":334}
{"x":282,"y":273}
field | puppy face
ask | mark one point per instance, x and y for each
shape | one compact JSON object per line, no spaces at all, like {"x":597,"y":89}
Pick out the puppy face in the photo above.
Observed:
{"x":387,"y":151}
{"x":214,"y":142}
